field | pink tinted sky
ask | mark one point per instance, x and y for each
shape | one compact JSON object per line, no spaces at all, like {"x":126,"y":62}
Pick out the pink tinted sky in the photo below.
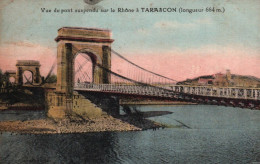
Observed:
{"x":177,"y":64}
{"x":207,"y":60}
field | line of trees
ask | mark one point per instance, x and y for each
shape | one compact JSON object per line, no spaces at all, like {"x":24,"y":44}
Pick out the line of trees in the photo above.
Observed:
{"x":3,"y":78}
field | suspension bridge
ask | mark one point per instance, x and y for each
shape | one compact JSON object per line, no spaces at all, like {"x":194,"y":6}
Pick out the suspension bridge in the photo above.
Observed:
{"x":84,"y":66}
{"x":145,"y":83}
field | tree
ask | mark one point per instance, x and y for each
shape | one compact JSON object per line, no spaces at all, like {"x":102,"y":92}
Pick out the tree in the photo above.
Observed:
{"x":2,"y":77}
{"x":52,"y":79}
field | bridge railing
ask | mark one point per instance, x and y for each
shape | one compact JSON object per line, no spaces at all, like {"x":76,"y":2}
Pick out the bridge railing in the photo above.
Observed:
{"x":227,"y":92}
{"x":126,"y":88}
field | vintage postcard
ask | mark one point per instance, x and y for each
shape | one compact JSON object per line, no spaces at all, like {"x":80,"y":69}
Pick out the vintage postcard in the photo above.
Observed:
{"x":129,"y":81}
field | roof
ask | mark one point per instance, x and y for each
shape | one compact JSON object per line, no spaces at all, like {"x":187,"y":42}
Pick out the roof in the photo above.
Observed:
{"x":219,"y":73}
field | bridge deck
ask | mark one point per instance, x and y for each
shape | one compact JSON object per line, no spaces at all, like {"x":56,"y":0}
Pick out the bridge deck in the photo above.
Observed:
{"x":174,"y":91}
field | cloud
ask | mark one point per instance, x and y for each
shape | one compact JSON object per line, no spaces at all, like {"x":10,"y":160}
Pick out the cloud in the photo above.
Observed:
{"x":22,"y":44}
{"x":203,"y":21}
{"x":182,"y":25}
{"x":173,"y":25}
{"x":143,"y":31}
{"x":5,"y":3}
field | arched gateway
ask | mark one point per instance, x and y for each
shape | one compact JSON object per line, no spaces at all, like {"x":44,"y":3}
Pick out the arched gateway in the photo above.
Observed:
{"x":95,"y":43}
{"x":32,"y":66}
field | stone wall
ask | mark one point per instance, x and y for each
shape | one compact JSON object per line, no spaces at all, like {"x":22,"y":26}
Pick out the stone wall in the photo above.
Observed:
{"x":86,"y":105}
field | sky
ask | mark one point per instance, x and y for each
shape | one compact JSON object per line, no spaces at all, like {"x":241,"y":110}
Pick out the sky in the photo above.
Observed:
{"x":177,"y":45}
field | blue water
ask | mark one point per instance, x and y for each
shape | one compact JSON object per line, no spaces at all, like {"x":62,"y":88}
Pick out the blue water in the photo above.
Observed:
{"x":215,"y":135}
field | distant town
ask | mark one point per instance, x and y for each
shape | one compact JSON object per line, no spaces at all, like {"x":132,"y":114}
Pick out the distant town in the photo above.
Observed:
{"x":224,"y":80}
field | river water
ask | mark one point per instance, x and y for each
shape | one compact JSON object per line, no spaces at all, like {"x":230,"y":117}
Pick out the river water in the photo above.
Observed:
{"x":207,"y":134}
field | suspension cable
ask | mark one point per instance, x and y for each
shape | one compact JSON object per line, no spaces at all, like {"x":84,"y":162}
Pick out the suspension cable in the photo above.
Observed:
{"x":51,"y":70}
{"x":131,"y":80}
{"x":116,"y":53}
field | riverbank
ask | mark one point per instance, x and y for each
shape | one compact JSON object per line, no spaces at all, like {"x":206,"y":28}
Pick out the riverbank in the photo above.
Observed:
{"x":21,"y":106}
{"x":77,"y":125}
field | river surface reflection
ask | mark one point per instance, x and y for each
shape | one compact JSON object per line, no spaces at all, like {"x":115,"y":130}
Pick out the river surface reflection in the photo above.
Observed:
{"x":214,"y":134}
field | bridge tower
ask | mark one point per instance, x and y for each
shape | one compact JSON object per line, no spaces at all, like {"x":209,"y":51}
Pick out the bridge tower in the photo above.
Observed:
{"x":32,"y":66}
{"x":96,"y":43}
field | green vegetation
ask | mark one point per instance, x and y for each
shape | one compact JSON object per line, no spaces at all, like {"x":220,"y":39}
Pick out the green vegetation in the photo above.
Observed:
{"x":15,"y":94}
{"x":51,"y":79}
{"x":3,"y":78}
{"x":18,"y":95}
